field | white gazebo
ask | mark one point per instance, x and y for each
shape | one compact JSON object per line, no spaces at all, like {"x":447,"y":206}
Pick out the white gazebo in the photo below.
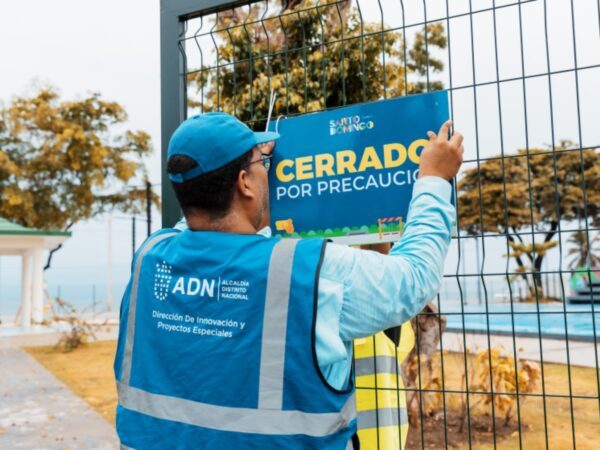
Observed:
{"x":30,"y":244}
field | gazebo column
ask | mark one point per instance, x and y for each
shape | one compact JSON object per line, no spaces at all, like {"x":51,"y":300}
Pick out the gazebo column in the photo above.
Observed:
{"x":38,"y":286}
{"x":26,"y":290}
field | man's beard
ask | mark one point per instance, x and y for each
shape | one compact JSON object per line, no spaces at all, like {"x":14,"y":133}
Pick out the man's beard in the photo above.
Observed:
{"x":263,"y":210}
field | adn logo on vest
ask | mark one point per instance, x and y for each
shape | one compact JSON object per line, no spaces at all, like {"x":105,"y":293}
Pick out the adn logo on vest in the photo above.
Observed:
{"x":162,"y":280}
{"x":190,"y":286}
{"x":195,"y":286}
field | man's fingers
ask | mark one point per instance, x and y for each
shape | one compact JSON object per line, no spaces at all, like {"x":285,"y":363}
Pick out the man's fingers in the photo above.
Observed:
{"x":445,"y":128}
{"x":457,"y":139}
{"x":431,"y":135}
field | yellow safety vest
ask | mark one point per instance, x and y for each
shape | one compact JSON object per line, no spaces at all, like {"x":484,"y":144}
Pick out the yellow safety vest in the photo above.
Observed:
{"x":380,"y":397}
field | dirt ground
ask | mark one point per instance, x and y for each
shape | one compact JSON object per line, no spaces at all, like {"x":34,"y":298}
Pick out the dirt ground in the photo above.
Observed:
{"x":438,"y":429}
{"x":585,"y":418}
{"x":88,"y":371}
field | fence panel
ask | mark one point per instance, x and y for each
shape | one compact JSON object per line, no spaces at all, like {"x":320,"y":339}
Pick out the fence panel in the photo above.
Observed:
{"x":506,"y":354}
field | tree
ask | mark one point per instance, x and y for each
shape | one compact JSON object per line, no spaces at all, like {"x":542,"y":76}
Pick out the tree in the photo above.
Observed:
{"x":525,"y":196}
{"x":319,"y":57}
{"x":66,"y":161}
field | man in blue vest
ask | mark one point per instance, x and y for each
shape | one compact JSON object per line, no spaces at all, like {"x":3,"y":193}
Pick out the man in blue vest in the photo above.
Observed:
{"x":231,"y":339}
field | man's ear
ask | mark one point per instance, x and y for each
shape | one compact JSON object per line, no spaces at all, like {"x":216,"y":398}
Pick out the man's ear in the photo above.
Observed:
{"x":245,"y":185}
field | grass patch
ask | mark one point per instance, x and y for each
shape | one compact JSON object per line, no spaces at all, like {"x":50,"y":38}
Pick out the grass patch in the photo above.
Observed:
{"x":87,"y":370}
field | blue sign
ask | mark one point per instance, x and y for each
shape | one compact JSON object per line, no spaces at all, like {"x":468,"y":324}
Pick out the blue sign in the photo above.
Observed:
{"x":348,"y":173}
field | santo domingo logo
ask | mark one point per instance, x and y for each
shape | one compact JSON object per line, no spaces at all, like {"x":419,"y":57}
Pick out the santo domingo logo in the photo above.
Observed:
{"x":162,"y":280}
{"x":350,"y":124}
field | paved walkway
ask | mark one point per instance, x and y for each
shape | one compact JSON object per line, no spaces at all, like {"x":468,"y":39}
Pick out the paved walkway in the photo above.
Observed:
{"x":39,"y":412}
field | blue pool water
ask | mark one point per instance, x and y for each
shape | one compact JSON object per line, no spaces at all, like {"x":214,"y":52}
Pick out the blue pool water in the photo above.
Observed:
{"x":550,"y":322}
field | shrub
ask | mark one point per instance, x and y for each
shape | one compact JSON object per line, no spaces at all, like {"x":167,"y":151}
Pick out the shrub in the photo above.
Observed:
{"x":79,"y":332}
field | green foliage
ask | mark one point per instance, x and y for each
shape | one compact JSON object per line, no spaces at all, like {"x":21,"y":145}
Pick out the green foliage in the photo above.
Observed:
{"x":393,"y":227}
{"x":66,"y":161}
{"x":310,"y":67}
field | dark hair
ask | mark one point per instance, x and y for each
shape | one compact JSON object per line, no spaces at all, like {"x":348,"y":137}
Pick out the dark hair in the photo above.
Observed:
{"x":211,"y":192}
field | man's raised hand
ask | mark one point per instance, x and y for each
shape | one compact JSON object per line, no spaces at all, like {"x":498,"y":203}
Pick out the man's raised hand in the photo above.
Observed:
{"x":442,"y":157}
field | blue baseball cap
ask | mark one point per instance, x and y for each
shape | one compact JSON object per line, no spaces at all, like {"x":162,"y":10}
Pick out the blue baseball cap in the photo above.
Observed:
{"x":212,"y":140}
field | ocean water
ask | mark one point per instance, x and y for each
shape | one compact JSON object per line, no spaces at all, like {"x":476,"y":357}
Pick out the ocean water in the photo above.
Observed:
{"x":85,"y":297}
{"x":85,"y":287}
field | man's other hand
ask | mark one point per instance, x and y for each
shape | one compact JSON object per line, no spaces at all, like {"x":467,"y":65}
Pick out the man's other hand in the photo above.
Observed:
{"x":442,"y":157}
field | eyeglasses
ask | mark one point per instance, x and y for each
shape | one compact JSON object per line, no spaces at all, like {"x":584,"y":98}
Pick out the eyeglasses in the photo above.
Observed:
{"x":265,"y":159}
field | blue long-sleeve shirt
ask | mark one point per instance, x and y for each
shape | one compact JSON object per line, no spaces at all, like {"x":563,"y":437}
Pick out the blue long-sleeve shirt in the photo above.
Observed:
{"x":362,"y":292}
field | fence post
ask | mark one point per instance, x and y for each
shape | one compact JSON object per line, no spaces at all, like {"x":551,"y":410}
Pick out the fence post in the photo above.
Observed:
{"x":149,"y":208}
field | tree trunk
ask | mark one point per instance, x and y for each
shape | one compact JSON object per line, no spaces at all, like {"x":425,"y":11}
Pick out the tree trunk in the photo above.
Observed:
{"x":537,"y":284}
{"x":428,"y":327}
{"x":537,"y":263}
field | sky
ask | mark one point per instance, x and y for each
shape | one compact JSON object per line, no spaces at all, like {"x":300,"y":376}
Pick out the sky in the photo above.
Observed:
{"x":112,"y":47}
{"x":80,"y":46}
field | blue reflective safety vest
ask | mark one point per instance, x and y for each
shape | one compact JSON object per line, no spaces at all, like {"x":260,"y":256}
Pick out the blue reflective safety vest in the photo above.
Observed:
{"x":216,"y":347}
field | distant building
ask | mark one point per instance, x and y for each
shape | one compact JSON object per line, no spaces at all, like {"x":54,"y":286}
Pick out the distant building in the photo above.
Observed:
{"x":30,"y":244}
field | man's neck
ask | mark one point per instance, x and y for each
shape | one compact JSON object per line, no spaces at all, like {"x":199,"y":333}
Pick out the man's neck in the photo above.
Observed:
{"x":231,"y":223}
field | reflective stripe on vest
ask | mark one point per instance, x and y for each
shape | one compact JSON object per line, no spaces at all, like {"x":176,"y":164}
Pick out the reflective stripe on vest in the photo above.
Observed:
{"x":126,"y":370}
{"x":242,"y":420}
{"x":382,"y":417}
{"x":381,"y":401}
{"x":272,"y":359}
{"x":269,"y":418}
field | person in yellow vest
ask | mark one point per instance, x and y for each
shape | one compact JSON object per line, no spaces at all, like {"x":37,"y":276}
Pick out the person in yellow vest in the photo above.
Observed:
{"x":380,"y":397}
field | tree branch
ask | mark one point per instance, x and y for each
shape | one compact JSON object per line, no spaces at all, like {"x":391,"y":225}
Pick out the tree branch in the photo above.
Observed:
{"x":54,"y":250}
{"x":522,"y":242}
{"x":517,"y":235}
{"x":551,"y":233}
{"x":517,"y":258}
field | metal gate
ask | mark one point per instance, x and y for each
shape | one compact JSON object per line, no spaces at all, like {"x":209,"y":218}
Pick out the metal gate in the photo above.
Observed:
{"x":507,"y":353}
